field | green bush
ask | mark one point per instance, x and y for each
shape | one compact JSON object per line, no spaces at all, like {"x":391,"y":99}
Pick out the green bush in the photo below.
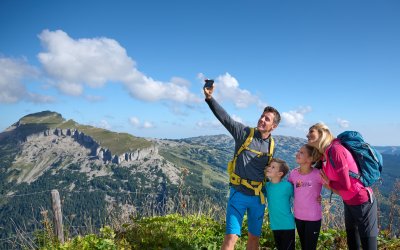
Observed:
{"x":173,"y":232}
{"x":105,"y":241}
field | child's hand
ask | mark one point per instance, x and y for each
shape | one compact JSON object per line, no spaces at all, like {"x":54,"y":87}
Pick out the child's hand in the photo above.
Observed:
{"x":319,"y":199}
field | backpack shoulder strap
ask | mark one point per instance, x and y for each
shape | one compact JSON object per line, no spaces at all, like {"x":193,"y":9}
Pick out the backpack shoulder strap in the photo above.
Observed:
{"x":271,"y":148}
{"x":330,"y":157}
{"x":330,"y":153}
{"x":258,"y":153}
{"x":246,"y":142}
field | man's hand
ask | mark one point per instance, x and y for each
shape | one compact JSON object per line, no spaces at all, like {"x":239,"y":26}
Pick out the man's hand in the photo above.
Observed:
{"x":208,"y":92}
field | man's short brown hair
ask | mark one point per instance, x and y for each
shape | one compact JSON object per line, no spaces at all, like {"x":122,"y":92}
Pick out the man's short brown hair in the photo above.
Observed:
{"x":277,"y":116}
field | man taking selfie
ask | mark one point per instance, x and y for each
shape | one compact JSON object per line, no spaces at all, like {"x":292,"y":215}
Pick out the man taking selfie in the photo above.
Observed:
{"x":247,"y":172}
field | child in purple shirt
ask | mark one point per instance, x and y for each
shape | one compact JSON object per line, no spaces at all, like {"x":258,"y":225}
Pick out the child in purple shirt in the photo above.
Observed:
{"x":307,"y":183}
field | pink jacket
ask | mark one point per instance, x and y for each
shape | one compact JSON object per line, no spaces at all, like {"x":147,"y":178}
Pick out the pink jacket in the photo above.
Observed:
{"x":350,"y":189}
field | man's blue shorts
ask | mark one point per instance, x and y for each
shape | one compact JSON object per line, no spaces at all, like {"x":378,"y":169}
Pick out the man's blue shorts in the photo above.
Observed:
{"x":238,"y":205}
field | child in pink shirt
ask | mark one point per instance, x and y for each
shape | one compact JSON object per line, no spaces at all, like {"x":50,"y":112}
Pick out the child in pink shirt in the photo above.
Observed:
{"x":307,"y":183}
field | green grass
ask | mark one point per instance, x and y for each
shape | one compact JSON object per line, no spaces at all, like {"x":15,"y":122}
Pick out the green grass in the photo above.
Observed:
{"x":44,"y":117}
{"x":175,"y":231}
{"x":118,"y":143}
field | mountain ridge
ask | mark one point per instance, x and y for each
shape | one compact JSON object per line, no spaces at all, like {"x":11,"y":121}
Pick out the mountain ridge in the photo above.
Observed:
{"x":45,"y":120}
{"x":43,"y":151}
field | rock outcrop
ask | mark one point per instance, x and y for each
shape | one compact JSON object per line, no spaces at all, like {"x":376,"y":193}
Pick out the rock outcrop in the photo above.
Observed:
{"x":96,"y":149}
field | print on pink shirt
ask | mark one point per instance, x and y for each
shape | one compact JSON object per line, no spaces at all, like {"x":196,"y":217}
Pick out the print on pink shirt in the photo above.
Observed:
{"x":301,"y":183}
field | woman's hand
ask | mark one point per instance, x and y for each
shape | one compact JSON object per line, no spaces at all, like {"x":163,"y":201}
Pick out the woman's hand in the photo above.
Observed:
{"x":325,"y":179}
{"x":319,"y":199}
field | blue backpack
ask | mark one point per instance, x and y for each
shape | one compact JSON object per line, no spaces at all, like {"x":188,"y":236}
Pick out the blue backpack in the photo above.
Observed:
{"x":369,"y":161}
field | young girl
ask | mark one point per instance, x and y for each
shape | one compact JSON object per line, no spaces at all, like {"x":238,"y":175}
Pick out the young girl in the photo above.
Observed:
{"x":307,"y":184}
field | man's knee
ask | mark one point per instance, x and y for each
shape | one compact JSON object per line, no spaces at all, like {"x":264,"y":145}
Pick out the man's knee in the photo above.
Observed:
{"x":229,"y":241}
{"x":253,"y":237}
{"x":252,"y":242}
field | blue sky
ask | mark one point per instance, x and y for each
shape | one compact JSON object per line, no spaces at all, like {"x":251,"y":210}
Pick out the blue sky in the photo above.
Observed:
{"x":138,"y":66}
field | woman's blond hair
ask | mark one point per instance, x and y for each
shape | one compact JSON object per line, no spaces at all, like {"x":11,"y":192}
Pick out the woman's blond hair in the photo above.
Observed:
{"x":325,"y":134}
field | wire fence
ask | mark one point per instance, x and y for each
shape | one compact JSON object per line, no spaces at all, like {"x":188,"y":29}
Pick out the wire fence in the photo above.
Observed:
{"x":138,"y":203}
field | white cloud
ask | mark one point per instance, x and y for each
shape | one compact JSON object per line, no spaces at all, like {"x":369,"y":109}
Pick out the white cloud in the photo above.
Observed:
{"x":237,"y":118}
{"x":261,"y":105}
{"x":94,"y":98}
{"x":180,"y":81}
{"x":73,"y":64}
{"x":295,"y":118}
{"x":147,"y":124}
{"x":343,"y":123}
{"x":178,"y":109}
{"x":12,"y":74}
{"x":214,"y":125}
{"x":201,"y":76}
{"x":37,"y":98}
{"x":135,"y":122}
{"x":227,"y":88}
{"x":70,"y":88}
{"x":147,"y":89}
{"x":104,"y":124}
{"x":83,"y":61}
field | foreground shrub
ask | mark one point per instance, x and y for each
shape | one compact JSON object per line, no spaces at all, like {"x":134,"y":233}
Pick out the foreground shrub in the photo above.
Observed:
{"x":104,"y":241}
{"x":185,"y":232}
{"x":173,"y":232}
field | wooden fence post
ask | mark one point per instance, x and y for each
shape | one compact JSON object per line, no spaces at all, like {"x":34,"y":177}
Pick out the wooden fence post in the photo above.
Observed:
{"x":58,"y":224}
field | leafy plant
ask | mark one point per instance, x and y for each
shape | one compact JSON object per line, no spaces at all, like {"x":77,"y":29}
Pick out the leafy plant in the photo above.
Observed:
{"x":173,"y":232}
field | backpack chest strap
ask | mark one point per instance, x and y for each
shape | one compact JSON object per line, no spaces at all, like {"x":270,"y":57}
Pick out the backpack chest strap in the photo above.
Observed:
{"x":258,"y":153}
{"x":256,"y":186}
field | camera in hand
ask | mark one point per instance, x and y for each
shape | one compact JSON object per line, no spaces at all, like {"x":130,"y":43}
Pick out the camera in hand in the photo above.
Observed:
{"x":208,"y":83}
